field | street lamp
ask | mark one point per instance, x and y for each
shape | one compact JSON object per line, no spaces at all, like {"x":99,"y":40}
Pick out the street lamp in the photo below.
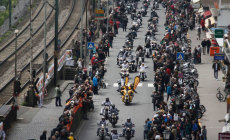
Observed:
{"x":166,"y":134}
{"x":16,"y":45}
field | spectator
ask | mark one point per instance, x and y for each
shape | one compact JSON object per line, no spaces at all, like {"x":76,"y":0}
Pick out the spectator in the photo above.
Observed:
{"x":208,"y":42}
{"x":204,"y":44}
{"x":95,"y":85}
{"x":216,"y":68}
{"x":58,"y":96}
{"x":43,"y":136}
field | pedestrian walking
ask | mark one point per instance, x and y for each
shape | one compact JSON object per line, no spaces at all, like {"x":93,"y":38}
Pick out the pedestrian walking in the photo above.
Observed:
{"x":43,"y":136}
{"x":111,"y":36}
{"x":204,"y":133}
{"x":125,"y":22}
{"x":199,"y":53}
{"x":208,"y":42}
{"x":58,"y":96}
{"x":2,"y":132}
{"x":216,"y":68}
{"x":204,"y":44}
{"x":198,"y":33}
{"x":115,"y":28}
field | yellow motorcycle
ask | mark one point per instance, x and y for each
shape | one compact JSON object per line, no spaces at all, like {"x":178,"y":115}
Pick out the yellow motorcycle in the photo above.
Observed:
{"x":127,"y":96}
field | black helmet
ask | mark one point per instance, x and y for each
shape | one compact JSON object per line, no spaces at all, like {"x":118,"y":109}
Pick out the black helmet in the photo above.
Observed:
{"x":113,"y":106}
{"x":107,"y":99}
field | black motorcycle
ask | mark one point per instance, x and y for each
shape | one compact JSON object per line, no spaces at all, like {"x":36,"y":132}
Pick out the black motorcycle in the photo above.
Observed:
{"x":132,"y":66}
{"x":113,"y":119}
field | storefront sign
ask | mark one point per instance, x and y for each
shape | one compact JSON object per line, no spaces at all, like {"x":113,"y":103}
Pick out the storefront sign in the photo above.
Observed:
{"x":214,"y":50}
{"x":219,"y":56}
{"x":224,"y":136}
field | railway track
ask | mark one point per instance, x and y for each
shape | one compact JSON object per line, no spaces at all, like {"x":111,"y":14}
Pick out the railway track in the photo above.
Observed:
{"x":66,"y":31}
{"x":7,"y":52}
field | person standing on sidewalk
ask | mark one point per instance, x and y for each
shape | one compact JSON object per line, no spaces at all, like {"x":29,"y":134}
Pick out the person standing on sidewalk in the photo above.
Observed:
{"x":203,"y":44}
{"x":208,"y":43}
{"x":95,"y":85}
{"x":216,"y":68}
{"x":58,"y":96}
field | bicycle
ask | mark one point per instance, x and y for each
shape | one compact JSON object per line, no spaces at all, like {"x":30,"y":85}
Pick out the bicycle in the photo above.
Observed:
{"x":220,"y":96}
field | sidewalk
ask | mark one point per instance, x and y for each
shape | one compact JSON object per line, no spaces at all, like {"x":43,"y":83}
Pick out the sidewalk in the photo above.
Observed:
{"x":32,"y":121}
{"x":207,"y":90}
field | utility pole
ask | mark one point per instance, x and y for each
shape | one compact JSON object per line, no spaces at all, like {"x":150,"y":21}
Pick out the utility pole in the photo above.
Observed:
{"x":45,"y":60}
{"x":56,"y":43}
{"x":31,"y":45}
{"x":81,"y":28}
{"x":86,"y":28}
{"x":15,"y":59}
{"x":107,"y":15}
{"x":10,"y":7}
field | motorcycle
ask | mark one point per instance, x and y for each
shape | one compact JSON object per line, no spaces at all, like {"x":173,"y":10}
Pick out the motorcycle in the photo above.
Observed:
{"x":101,"y":84}
{"x":147,"y":52}
{"x":140,"y":60}
{"x":106,"y":112}
{"x":132,"y":66}
{"x":128,"y":132}
{"x":102,"y":132}
{"x":142,"y":75}
{"x":113,"y":119}
{"x":119,"y":60}
{"x":126,"y":99}
{"x":124,"y":73}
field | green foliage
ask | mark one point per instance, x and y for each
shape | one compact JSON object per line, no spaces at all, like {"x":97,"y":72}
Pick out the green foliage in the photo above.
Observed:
{"x":5,"y":35}
{"x":5,"y":14}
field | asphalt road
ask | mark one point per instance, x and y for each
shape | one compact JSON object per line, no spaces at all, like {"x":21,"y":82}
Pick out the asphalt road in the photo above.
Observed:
{"x":141,"y":107}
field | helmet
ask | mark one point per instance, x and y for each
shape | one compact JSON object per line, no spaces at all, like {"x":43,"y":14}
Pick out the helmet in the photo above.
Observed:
{"x":129,"y":119}
{"x":102,"y":117}
{"x":107,"y":99}
{"x":113,"y":106}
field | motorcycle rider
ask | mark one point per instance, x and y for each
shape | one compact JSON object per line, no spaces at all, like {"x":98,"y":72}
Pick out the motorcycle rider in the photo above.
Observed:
{"x":102,"y":122}
{"x":114,"y":134}
{"x":149,"y":47}
{"x":142,"y":69}
{"x":114,"y":110}
{"x":139,"y":53}
{"x":128,"y":124}
{"x":106,"y":103}
{"x":125,"y":65}
{"x":121,"y":83}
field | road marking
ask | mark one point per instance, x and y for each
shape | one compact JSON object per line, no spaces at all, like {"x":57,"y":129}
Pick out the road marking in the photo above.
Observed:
{"x":150,"y":85}
{"x":115,"y":85}
{"x":140,"y":85}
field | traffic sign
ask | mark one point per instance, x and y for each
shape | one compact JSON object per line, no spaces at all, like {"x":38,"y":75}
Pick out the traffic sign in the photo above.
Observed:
{"x":180,"y":56}
{"x":219,"y":56}
{"x":90,"y":45}
{"x":99,"y":13}
{"x":219,"y":33}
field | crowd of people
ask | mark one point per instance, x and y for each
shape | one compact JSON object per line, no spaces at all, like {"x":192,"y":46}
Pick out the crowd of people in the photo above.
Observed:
{"x":179,"y":115}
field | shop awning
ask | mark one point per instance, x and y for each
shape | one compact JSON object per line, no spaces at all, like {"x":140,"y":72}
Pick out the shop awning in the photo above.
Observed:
{"x":207,"y":14}
{"x":195,"y":1}
{"x":209,"y":21}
